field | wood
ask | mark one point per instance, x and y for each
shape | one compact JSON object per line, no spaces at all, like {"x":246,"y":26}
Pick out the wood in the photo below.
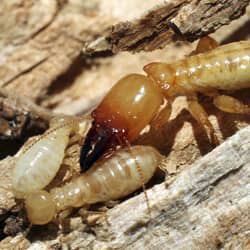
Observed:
{"x":25,"y":112}
{"x":44,"y":70}
{"x":44,"y":60}
{"x":207,"y":206}
{"x":174,"y":20}
{"x":20,"y":118}
{"x":34,"y":56}
{"x":202,"y":209}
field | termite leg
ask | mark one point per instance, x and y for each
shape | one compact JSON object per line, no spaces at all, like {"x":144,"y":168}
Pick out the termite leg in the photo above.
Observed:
{"x":206,"y":43}
{"x":230,"y":104}
{"x":163,"y":116}
{"x":62,"y":216}
{"x":163,"y":166}
{"x":92,"y":217}
{"x":201,"y":117}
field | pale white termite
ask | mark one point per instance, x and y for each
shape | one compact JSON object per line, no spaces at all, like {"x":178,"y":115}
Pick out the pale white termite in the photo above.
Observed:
{"x":108,"y":179}
{"x":40,"y":160}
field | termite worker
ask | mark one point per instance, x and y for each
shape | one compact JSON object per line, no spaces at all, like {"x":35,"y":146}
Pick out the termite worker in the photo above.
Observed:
{"x":39,"y":161}
{"x":108,"y":179}
{"x":136,"y":99}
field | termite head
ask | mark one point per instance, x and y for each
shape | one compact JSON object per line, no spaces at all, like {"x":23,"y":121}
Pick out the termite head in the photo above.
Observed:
{"x":163,"y":75}
{"x":40,"y":207}
{"x":129,"y":106}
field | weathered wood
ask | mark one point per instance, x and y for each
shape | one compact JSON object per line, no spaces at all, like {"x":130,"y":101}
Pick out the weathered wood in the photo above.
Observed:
{"x":19,"y":115}
{"x":43,"y":62}
{"x":207,"y":206}
{"x":203,"y":208}
{"x":43,"y":59}
{"x":20,"y":118}
{"x":35,"y":53}
{"x":171,"y":21}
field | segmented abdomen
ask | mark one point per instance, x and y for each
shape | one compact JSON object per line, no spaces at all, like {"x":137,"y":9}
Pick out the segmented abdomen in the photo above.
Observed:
{"x":226,"y":67}
{"x":109,"y":179}
{"x":38,"y":165}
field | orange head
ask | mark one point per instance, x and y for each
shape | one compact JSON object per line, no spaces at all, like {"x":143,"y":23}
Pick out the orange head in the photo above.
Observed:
{"x":128,"y":107}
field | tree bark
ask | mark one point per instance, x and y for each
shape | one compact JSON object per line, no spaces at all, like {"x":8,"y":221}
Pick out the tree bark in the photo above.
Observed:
{"x":174,"y":20}
{"x":206,"y":206}
{"x":62,"y":57}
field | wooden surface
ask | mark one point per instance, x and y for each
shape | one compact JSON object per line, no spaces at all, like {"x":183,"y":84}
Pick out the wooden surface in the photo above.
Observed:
{"x":171,"y":21}
{"x":206,"y":206}
{"x":44,"y":69}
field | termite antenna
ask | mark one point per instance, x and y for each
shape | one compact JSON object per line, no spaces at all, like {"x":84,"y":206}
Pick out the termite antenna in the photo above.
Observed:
{"x":140,"y":173}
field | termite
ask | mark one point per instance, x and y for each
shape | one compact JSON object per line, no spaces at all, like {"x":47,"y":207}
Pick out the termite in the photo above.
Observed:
{"x":109,"y":179}
{"x":39,"y":161}
{"x":137,"y":100}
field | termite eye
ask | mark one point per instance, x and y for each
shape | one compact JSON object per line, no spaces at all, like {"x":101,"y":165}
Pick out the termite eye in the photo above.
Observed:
{"x":40,"y":207}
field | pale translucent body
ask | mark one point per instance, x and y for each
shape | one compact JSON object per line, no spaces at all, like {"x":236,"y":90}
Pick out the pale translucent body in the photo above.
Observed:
{"x":224,"y":68}
{"x":40,"y":207}
{"x":108,"y":179}
{"x":38,"y":165}
{"x":39,"y":161}
{"x":212,"y":73}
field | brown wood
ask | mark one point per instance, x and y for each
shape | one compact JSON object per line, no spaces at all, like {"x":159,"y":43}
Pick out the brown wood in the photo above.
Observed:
{"x":20,"y":118}
{"x":171,"y":21}
{"x":207,"y":206}
{"x":43,"y":69}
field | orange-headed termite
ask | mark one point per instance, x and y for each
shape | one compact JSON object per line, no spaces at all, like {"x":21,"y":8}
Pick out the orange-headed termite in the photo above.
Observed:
{"x":135,"y":100}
